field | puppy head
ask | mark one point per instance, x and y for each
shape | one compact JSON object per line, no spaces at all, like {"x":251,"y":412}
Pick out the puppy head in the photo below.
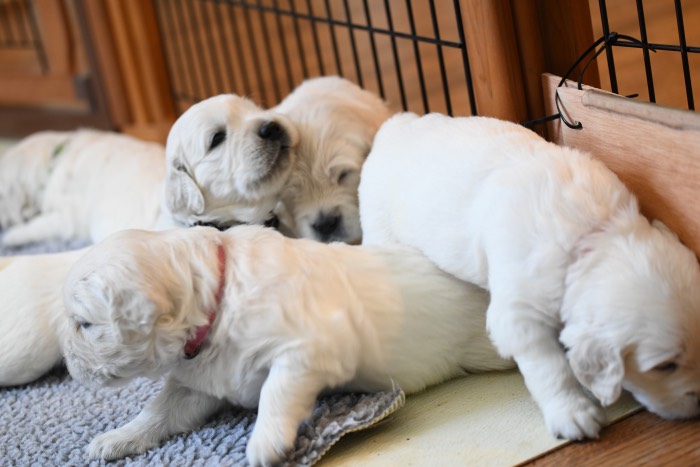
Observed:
{"x":135,"y":299}
{"x":227,"y":160}
{"x":337,"y":121}
{"x":632,"y":313}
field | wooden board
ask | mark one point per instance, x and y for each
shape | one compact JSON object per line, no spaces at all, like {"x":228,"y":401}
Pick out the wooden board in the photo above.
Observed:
{"x":653,"y":149}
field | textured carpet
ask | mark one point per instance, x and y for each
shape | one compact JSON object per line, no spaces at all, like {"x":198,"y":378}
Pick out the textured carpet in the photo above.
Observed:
{"x":51,"y":421}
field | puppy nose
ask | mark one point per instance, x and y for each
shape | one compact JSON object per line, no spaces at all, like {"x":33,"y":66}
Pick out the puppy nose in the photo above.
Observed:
{"x":326,"y":224}
{"x":270,"y":130}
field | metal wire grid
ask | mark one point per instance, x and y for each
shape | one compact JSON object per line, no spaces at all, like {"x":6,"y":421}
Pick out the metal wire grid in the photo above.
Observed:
{"x":18,"y":29}
{"x":413,"y":55}
{"x":682,"y":47}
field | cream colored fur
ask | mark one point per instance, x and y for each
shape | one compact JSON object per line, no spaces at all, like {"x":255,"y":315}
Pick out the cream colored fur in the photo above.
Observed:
{"x":584,"y":290}
{"x":85,"y":185}
{"x":296,"y":318}
{"x":337,"y":121}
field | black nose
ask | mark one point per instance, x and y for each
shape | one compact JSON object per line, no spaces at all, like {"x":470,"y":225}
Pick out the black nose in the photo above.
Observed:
{"x":270,"y":130}
{"x":326,"y":225}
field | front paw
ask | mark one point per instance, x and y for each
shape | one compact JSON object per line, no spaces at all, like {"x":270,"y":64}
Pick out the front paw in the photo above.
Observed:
{"x":574,"y":418}
{"x":117,"y":443}
{"x":261,"y":451}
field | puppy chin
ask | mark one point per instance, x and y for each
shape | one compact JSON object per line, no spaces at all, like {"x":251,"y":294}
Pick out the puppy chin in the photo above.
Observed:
{"x":685,"y":407}
{"x":95,"y":378}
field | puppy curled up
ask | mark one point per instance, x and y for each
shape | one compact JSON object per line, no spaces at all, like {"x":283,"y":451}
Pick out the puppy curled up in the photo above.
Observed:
{"x":584,"y":289}
{"x":251,"y":318}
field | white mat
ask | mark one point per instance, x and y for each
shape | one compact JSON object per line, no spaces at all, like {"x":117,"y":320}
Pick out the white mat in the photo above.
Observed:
{"x":481,"y":420}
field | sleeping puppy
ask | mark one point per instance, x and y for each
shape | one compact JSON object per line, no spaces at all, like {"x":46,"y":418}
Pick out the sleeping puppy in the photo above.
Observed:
{"x":84,"y":185}
{"x":24,"y":172}
{"x":31,"y":314}
{"x":227,"y":161}
{"x":336,"y":121}
{"x":252,"y":318}
{"x":583,"y":288}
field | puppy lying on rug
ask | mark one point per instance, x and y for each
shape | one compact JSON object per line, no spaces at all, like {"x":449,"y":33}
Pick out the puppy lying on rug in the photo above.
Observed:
{"x":560,"y":243}
{"x":82,"y":184}
{"x":251,"y":318}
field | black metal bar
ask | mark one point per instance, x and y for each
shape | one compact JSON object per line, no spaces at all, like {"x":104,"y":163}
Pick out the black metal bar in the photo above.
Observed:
{"x":684,"y":55}
{"x":170,"y":52}
{"x":177,"y":47}
{"x":441,"y":60}
{"x":213,"y":46}
{"x":197,"y":87}
{"x":373,"y":46}
{"x":237,"y":43}
{"x":282,"y":43}
{"x":334,"y":40}
{"x":196,"y":28}
{"x":657,"y":47}
{"x":465,"y":57}
{"x":270,"y":60}
{"x":317,"y":43}
{"x":645,"y":50}
{"x":247,"y":21}
{"x":608,"y":50}
{"x":416,"y":53}
{"x":395,"y":52}
{"x":229,"y":59}
{"x":300,"y":43}
{"x":359,"y":27}
{"x":353,"y":45}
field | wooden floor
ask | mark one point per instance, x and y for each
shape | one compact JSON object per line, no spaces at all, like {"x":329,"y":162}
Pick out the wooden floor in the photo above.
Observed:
{"x":640,"y":439}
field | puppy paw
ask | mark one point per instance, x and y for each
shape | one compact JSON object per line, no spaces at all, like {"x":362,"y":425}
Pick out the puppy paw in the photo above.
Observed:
{"x":261,"y":452}
{"x":116,"y":444}
{"x":576,"y":418}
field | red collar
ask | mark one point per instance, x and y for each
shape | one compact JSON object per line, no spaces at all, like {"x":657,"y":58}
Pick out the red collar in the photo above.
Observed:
{"x":193,"y":345}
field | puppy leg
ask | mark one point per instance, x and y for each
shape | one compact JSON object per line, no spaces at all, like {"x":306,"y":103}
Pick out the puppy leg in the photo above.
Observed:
{"x":175,"y":410}
{"x":287,"y":398}
{"x":45,"y":227}
{"x":516,"y":331}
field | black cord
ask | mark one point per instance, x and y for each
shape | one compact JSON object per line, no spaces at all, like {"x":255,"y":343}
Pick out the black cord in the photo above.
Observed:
{"x":612,"y":39}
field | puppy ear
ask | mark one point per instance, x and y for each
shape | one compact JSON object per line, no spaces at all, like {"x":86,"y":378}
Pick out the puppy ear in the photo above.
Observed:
{"x":182,"y":193}
{"x":132,"y":321}
{"x":598,"y":367}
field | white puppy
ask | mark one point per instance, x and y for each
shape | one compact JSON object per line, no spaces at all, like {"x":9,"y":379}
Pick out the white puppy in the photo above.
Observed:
{"x":24,"y":172}
{"x":31,"y":314}
{"x":337,"y":121}
{"x":85,"y":184}
{"x":227,"y":161}
{"x":560,"y":243}
{"x":251,"y":318}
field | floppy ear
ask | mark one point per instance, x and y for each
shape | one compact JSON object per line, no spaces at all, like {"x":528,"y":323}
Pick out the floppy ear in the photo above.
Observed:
{"x":598,"y":367}
{"x":132,"y":317}
{"x":181,"y":192}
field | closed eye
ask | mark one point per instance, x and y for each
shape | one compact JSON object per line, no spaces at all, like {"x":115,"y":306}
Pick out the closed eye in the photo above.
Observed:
{"x":343,"y":176}
{"x":218,"y":138}
{"x":666,"y":367}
